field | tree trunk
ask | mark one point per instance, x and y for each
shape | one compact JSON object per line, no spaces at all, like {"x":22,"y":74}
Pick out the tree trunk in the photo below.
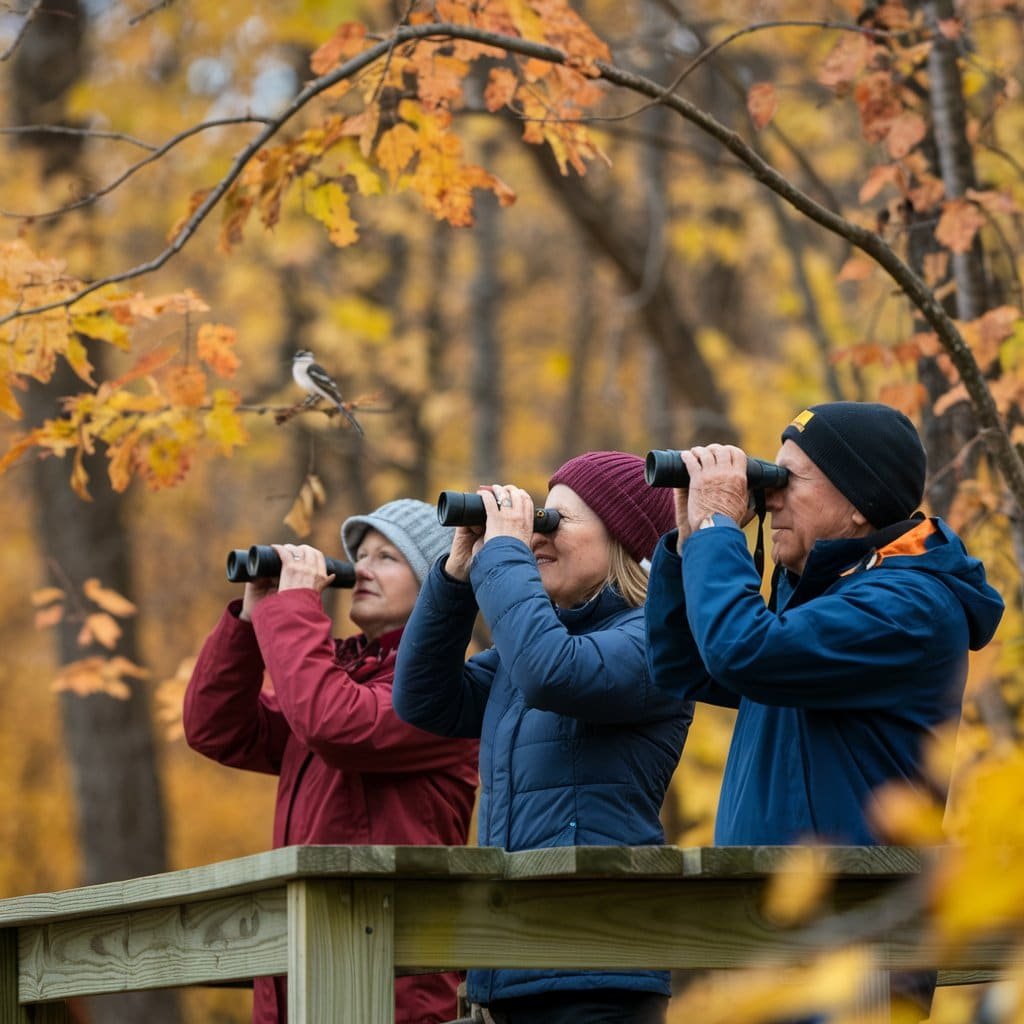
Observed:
{"x":109,"y":742}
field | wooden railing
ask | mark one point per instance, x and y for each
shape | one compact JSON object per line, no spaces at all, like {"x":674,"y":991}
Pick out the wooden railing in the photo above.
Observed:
{"x":341,"y":921}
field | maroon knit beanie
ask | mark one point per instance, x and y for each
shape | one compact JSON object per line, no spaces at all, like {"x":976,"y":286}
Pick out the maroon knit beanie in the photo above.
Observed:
{"x":613,"y":485}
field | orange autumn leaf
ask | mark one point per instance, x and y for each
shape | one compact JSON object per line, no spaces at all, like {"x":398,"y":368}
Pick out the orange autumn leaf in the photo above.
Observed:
{"x":215,"y":344}
{"x":762,"y":103}
{"x":186,"y":385}
{"x":46,"y":595}
{"x":846,"y":61}
{"x":99,"y":628}
{"x":501,"y":89}
{"x":959,"y":223}
{"x":98,"y":675}
{"x":109,"y":600}
{"x":905,"y":132}
{"x":46,"y":617}
{"x":348,"y":40}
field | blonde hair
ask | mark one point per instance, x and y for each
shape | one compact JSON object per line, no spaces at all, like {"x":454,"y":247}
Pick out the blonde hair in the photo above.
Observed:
{"x":626,"y":575}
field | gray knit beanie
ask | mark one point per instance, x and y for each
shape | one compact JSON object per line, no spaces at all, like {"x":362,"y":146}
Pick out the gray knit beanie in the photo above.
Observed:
{"x":410,"y":525}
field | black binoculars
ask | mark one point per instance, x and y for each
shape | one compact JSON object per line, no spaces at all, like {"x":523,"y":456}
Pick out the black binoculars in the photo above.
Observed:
{"x":665,"y":468}
{"x":456,"y":508}
{"x":261,"y":561}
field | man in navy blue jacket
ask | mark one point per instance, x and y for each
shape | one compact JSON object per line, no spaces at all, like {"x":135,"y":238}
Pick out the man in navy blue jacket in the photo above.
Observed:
{"x":861,"y":652}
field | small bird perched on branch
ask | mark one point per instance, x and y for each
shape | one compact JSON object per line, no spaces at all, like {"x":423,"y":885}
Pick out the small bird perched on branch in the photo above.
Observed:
{"x":318,"y":383}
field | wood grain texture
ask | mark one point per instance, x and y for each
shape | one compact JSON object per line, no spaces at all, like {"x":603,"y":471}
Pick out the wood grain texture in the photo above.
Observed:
{"x":11,"y":1012}
{"x":341,"y":953}
{"x":214,"y":941}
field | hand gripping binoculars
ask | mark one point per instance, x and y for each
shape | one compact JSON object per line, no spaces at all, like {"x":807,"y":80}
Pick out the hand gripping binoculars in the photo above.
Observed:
{"x":456,"y":508}
{"x":261,"y":561}
{"x":665,"y":468}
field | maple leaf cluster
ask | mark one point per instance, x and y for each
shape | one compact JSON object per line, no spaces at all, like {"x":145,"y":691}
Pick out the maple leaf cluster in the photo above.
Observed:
{"x":390,"y":127}
{"x":151,"y":420}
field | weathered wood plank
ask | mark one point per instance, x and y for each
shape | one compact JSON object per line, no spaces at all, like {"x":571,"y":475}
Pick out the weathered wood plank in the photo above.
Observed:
{"x":227,"y":939}
{"x":340,"y":953}
{"x":251,"y":874}
{"x":624,"y":924}
{"x":758,"y":861}
{"x":10,"y":1010}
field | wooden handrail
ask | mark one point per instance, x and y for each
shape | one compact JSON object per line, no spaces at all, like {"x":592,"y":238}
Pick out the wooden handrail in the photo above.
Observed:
{"x":341,"y":921}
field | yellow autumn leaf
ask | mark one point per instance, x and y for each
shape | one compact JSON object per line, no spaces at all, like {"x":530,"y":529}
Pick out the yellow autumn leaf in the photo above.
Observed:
{"x":99,"y":628}
{"x":8,"y":403}
{"x":395,"y":150}
{"x":103,"y":326}
{"x":906,"y":815}
{"x":164,"y":461}
{"x":328,"y":203}
{"x":109,"y":600}
{"x":223,"y":425}
{"x":170,"y":698}
{"x":98,"y":675}
{"x":796,"y":889}
{"x":215,"y":344}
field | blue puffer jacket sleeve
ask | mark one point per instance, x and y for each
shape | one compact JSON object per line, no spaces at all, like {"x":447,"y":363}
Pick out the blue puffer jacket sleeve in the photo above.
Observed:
{"x":673,"y":660}
{"x":870,"y":635}
{"x":598,"y":677}
{"x":435,"y":688}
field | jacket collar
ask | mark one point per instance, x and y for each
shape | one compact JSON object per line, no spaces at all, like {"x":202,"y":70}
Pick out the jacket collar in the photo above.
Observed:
{"x":830,"y":559}
{"x":604,"y":604}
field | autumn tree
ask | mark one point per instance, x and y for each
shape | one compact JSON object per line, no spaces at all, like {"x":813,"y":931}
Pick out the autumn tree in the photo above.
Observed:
{"x":682,"y":224}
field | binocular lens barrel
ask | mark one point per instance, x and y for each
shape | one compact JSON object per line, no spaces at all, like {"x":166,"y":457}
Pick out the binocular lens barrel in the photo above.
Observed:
{"x":261,"y":561}
{"x":665,"y":468}
{"x":458,"y":508}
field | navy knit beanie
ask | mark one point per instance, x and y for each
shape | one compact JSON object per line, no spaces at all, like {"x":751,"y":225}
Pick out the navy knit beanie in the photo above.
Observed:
{"x":613,"y":485}
{"x":871,"y":452}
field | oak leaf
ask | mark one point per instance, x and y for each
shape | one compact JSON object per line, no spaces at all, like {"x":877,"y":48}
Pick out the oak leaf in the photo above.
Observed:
{"x":223,"y":425}
{"x":905,"y":132}
{"x":762,"y":103}
{"x":186,"y":385}
{"x":215,"y":345}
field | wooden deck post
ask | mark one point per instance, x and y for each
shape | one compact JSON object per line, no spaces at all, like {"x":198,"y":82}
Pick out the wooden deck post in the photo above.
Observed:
{"x":341,"y":952}
{"x":10,"y":1010}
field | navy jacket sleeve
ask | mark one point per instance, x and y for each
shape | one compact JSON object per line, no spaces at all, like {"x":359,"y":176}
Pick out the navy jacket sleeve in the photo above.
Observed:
{"x":435,"y":688}
{"x":598,"y":676}
{"x":673,"y":659}
{"x":853,"y":648}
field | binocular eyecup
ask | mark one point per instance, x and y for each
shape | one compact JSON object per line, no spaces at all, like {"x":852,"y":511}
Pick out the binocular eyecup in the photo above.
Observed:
{"x":665,"y":468}
{"x":458,"y":508}
{"x":261,"y":561}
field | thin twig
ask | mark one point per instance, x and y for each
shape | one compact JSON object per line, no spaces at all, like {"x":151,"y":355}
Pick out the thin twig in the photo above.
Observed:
{"x":22,"y":29}
{"x":159,"y":6}
{"x":155,"y":154}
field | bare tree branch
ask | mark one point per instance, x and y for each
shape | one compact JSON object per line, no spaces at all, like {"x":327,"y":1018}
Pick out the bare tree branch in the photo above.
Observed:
{"x":22,"y":29}
{"x":156,"y":153}
{"x":1003,"y":451}
{"x":158,"y":6}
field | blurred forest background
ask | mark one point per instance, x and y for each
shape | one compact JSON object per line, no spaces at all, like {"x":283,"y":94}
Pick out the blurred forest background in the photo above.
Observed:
{"x":662,"y":298}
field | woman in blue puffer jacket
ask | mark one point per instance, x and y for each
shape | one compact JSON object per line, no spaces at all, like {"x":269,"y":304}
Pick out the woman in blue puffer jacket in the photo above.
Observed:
{"x":577,"y":747}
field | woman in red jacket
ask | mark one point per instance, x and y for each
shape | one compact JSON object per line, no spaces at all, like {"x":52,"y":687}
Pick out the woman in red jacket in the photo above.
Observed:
{"x":350,"y":770}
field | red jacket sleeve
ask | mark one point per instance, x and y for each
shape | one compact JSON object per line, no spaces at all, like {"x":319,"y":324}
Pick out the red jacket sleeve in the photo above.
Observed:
{"x":226,"y":717}
{"x":347,"y":721}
